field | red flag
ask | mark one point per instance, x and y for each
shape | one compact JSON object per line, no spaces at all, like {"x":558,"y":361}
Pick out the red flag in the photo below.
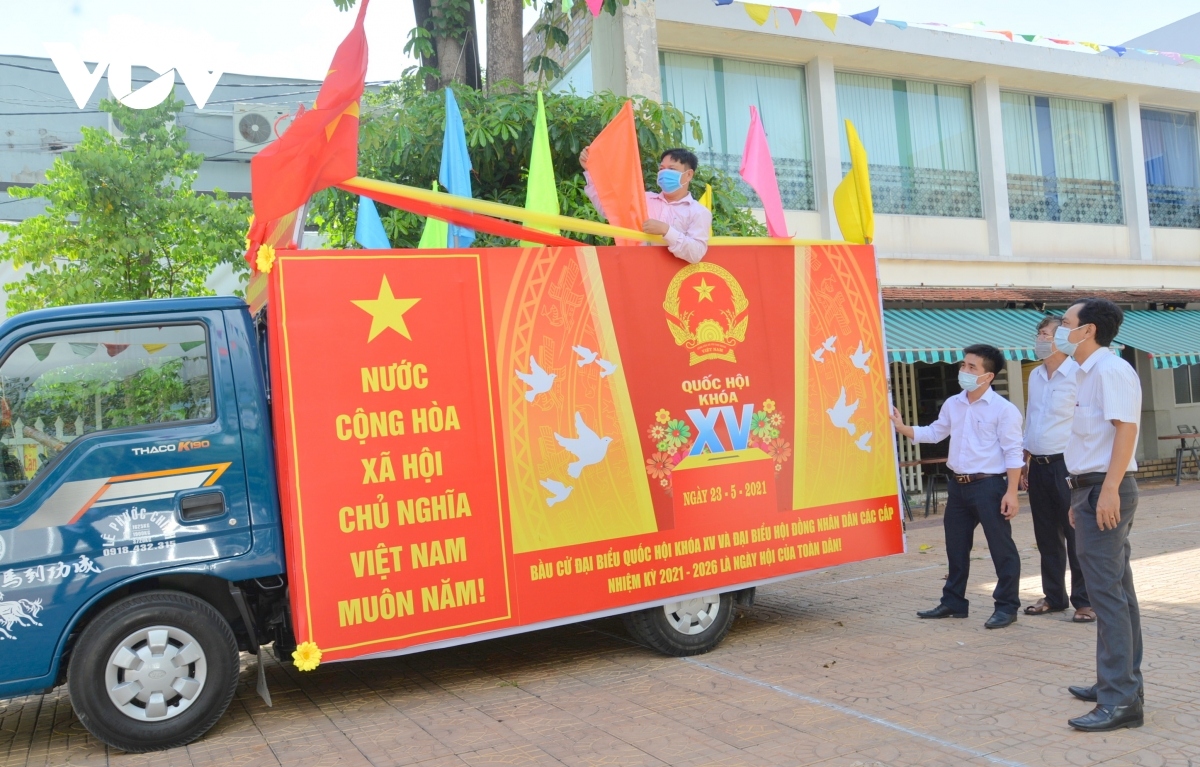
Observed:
{"x":320,"y":148}
{"x":796,"y":13}
{"x":615,"y":166}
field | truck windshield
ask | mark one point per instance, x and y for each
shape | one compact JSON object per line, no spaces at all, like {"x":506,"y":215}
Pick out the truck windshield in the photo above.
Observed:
{"x":56,"y":389}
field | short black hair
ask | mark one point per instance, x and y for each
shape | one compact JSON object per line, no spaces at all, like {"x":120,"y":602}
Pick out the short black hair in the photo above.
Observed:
{"x":1104,"y":314}
{"x":679,"y":154}
{"x":993,"y":360}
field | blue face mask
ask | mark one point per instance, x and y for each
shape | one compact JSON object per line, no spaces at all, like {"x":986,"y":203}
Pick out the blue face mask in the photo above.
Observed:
{"x":1062,"y":339}
{"x":968,"y":382}
{"x":669,"y":180}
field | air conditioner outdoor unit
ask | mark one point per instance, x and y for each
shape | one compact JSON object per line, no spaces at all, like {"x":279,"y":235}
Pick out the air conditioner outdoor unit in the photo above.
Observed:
{"x":256,"y":125}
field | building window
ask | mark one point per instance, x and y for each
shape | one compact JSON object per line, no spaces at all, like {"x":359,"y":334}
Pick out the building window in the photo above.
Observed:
{"x":920,"y":142}
{"x":719,"y":92}
{"x":1061,"y":160}
{"x":578,"y":77}
{"x":1172,"y":177}
{"x":1187,"y":384}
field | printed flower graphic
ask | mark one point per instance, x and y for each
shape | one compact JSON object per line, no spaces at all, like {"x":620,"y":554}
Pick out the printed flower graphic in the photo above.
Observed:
{"x":662,"y":416}
{"x":664,"y":482}
{"x":760,"y":426}
{"x":678,"y":433}
{"x":776,"y":420}
{"x":780,"y":450}
{"x":769,"y":405}
{"x":659,"y":466}
{"x":306,"y":656}
{"x":657,"y":432}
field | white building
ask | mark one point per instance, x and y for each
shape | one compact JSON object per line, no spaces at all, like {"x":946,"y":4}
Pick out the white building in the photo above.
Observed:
{"x":1007,"y":178}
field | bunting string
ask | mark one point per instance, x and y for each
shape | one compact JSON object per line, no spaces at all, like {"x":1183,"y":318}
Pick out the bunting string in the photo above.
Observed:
{"x":760,"y":14}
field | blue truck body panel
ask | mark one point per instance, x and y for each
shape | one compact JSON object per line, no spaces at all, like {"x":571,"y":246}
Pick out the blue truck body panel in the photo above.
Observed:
{"x":106,"y":512}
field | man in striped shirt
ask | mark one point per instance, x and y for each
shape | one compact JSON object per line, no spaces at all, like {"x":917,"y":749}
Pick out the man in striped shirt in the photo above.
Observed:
{"x":1104,"y":498}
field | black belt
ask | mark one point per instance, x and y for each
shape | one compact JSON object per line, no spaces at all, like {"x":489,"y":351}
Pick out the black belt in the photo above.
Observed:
{"x":966,"y":479}
{"x":1091,"y":479}
{"x":1046,"y":459}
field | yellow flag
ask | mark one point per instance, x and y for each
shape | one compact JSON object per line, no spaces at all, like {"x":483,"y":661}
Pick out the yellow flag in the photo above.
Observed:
{"x":760,"y":13}
{"x":830,"y":19}
{"x":706,"y":201}
{"x":852,"y":198}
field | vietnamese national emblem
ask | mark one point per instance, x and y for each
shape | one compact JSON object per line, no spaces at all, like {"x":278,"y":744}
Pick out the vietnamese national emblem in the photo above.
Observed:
{"x":706,"y":312}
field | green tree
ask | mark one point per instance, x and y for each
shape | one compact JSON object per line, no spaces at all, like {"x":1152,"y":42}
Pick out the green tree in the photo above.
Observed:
{"x":122,"y":221}
{"x":400,"y":140}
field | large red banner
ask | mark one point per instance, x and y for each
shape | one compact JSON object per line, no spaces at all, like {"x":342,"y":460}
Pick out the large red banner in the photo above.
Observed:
{"x":481,"y":441}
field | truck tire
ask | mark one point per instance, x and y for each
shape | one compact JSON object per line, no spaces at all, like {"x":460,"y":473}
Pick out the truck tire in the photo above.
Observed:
{"x":689,"y":627}
{"x":153,"y":671}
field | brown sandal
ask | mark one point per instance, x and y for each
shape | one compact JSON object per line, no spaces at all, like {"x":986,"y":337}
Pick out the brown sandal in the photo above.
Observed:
{"x":1041,"y":607}
{"x":1084,"y":617}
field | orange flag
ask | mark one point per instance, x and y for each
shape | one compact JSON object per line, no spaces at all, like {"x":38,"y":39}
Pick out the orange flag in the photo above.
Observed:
{"x":319,"y":149}
{"x":615,"y":166}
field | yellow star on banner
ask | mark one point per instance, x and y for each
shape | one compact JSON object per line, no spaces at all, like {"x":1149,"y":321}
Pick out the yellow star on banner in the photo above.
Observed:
{"x":387,"y":311}
{"x":705,"y":290}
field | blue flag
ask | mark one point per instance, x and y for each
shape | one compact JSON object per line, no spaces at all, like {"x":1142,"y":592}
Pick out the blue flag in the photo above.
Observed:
{"x":866,"y":17}
{"x":369,"y":229}
{"x":455,"y":173}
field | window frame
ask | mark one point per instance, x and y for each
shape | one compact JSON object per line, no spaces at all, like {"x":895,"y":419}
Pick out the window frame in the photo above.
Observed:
{"x":49,"y":468}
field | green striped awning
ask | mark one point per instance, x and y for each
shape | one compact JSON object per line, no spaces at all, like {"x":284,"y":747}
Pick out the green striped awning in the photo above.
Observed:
{"x":940,"y":335}
{"x":1171,"y":338}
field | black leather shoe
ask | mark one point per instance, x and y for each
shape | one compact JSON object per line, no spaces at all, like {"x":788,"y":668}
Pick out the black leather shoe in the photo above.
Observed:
{"x":1089,"y":693}
{"x":999,"y":620}
{"x":941,"y":611}
{"x":1104,"y":718}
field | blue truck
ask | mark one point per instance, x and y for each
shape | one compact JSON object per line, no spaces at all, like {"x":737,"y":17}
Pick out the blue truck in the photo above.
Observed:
{"x":141,"y":544}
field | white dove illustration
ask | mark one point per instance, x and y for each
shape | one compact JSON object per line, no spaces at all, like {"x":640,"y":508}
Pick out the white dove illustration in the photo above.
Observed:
{"x":606,"y":368}
{"x":559,"y":490}
{"x":841,"y":413}
{"x":588,"y":447}
{"x":860,"y":357}
{"x":538,"y":380}
{"x":861,"y":442}
{"x":819,"y":354}
{"x":586,"y":355}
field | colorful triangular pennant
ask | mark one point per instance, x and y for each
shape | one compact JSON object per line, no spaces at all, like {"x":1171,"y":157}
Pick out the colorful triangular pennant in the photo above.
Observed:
{"x":187,"y":346}
{"x":1093,"y":46}
{"x":114,"y":349}
{"x":1004,"y":32}
{"x":759,"y":13}
{"x":830,"y":19}
{"x":796,"y":14}
{"x":156,"y":348}
{"x":83,"y":350}
{"x":1028,"y":38}
{"x":896,"y":24}
{"x":1117,"y":49}
{"x":41,"y":351}
{"x":866,"y":17}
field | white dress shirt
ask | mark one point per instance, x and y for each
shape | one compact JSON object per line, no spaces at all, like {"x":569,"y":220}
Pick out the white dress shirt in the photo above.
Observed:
{"x":985,"y":435}
{"x":688,"y":222}
{"x":1050,"y":408}
{"x":1109,"y":390}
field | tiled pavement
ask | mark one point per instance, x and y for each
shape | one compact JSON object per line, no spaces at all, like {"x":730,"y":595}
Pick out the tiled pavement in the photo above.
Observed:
{"x":830,"y":669}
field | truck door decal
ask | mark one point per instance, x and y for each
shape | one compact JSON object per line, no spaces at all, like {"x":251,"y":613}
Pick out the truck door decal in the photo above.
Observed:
{"x":72,"y":499}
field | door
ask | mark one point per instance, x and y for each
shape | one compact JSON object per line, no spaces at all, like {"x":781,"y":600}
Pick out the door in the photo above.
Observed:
{"x":120,"y":454}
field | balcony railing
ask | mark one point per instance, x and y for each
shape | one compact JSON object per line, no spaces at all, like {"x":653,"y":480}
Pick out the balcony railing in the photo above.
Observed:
{"x":1177,"y":206}
{"x":905,"y":191}
{"x":1070,"y":200}
{"x":794,"y":176}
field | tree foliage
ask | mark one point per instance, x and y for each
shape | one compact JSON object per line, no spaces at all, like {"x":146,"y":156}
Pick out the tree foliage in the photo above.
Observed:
{"x":401,"y":141}
{"x":122,"y":221}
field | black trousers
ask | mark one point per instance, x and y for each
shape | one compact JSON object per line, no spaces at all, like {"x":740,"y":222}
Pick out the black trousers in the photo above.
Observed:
{"x":1049,"y":504}
{"x":969,"y":506}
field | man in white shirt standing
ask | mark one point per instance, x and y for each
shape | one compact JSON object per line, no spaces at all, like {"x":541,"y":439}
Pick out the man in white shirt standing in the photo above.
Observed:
{"x":1048,"y":414}
{"x":682,"y":221}
{"x":986,"y":458}
{"x":1104,"y":497}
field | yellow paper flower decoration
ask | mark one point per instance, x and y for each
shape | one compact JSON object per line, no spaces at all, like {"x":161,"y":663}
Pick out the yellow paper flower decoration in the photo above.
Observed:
{"x":266,"y":258}
{"x":307,"y":656}
{"x":662,"y":416}
{"x":769,"y":405}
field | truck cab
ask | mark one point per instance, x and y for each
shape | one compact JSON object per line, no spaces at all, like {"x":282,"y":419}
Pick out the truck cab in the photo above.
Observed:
{"x":136,"y":468}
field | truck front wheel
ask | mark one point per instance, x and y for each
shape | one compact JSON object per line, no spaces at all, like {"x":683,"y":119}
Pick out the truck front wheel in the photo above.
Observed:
{"x":688,"y":627}
{"x":155,"y":670}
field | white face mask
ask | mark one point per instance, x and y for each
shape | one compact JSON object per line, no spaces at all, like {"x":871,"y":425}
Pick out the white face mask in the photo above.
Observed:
{"x":1043,"y":349}
{"x":968,"y":382}
{"x":1062,"y":339}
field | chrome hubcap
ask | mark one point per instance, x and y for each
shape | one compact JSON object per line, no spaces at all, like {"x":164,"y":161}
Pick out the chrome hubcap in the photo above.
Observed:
{"x":691,"y":616}
{"x":155,"y":673}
